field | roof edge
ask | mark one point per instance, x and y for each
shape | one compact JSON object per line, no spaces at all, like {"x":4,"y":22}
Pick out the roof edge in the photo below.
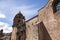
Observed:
{"x":32,"y":18}
{"x":44,"y":6}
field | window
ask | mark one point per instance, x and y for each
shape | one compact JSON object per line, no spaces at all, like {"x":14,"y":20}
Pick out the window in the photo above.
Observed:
{"x":19,"y":37}
{"x":28,"y":26}
{"x":17,"y":33}
{"x":56,"y":5}
{"x":18,"y":20}
{"x":36,"y":22}
{"x":32,"y":23}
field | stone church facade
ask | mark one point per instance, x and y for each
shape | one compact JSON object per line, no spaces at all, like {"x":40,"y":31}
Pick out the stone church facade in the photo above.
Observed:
{"x":47,"y":21}
{"x":44,"y":26}
{"x":50,"y":15}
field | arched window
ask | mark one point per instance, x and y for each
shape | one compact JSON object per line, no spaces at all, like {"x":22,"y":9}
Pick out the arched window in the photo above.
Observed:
{"x":56,"y":5}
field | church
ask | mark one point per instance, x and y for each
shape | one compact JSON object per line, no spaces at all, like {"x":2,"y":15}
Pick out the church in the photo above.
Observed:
{"x":44,"y":26}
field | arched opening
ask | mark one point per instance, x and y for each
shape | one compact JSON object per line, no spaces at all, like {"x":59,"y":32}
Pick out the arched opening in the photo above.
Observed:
{"x":56,"y":5}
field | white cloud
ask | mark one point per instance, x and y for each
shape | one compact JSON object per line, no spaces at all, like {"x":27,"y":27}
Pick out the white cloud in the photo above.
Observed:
{"x":2,"y":15}
{"x":6,"y":28}
{"x":27,"y":10}
{"x":11,"y":8}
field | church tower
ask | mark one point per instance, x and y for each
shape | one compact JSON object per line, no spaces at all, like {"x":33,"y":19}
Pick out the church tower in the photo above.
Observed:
{"x":19,"y":27}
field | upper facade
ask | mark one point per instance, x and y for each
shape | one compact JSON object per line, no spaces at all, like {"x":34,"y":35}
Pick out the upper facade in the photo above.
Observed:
{"x":50,"y":16}
{"x":48,"y":19}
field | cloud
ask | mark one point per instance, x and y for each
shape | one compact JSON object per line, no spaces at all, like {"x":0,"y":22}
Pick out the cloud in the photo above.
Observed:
{"x":6,"y":28}
{"x":2,"y":15}
{"x":27,"y":10}
{"x":9,"y":11}
{"x":11,"y":8}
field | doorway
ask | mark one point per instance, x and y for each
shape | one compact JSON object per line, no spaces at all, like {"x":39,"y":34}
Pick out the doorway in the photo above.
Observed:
{"x":42,"y":32}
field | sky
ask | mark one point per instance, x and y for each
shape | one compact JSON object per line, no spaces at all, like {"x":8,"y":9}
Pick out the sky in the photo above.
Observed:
{"x":9,"y":8}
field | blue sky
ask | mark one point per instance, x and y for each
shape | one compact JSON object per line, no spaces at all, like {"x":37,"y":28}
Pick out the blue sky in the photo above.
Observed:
{"x":9,"y":8}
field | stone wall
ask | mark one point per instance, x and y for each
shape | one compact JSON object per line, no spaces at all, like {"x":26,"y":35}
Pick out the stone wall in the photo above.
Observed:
{"x":50,"y":21}
{"x":32,"y":29}
{"x":49,"y":30}
{"x":13,"y":35}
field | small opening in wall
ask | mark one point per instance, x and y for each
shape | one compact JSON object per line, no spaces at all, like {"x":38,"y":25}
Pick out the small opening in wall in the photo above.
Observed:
{"x":56,"y":6}
{"x":19,"y":37}
{"x":28,"y":26}
{"x":18,"y":20}
{"x":36,"y":22}
{"x":32,"y":23}
{"x":17,"y":33}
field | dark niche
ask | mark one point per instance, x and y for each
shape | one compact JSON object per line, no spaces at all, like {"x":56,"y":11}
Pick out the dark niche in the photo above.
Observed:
{"x":56,"y":6}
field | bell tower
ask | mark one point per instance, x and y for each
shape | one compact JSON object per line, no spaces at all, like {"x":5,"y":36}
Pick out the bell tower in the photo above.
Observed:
{"x":19,"y":27}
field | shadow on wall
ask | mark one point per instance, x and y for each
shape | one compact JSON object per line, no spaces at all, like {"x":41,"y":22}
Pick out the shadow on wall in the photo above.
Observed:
{"x":42,"y":32}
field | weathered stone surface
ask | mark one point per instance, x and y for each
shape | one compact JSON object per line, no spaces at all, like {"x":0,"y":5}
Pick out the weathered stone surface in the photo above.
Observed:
{"x":50,"y":20}
{"x":49,"y":29}
{"x":19,"y":28}
{"x":42,"y":32}
{"x":32,"y":28}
